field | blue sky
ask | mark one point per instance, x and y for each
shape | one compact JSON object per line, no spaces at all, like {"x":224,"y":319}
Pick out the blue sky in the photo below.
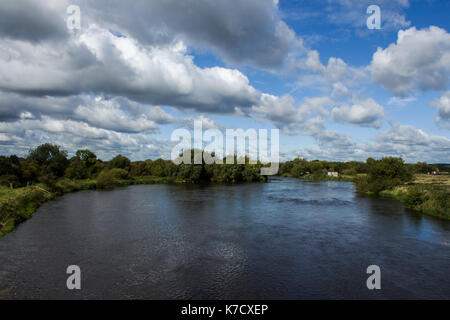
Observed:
{"x":129,"y":76}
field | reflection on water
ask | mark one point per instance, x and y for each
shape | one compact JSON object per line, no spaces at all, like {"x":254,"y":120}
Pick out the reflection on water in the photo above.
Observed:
{"x":291,"y":239}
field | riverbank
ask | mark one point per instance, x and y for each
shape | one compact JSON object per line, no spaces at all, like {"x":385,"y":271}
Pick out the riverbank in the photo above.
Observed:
{"x":18,"y":205}
{"x":429,"y":194}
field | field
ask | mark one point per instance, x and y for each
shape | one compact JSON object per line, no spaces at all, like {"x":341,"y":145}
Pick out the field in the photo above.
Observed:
{"x":442,"y":180}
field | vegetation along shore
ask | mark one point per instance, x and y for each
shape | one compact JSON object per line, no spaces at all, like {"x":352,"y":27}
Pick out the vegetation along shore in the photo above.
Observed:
{"x":421,"y":187}
{"x":26,"y":183}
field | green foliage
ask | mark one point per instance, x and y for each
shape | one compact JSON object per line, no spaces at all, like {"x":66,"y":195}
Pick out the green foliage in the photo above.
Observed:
{"x":430,"y":199}
{"x":29,"y":171}
{"x":105,"y":180}
{"x":362,"y":184}
{"x":420,"y":167}
{"x":120,"y":162}
{"x":438,"y":203}
{"x":87,"y":157}
{"x":83,"y":165}
{"x":50,"y":159}
{"x":118,"y":173}
{"x":19,"y":204}
{"x":318,"y":169}
{"x":48,"y":164}
{"x":49,"y":180}
{"x":386,"y":173}
{"x":138,"y":169}
{"x":350,"y":172}
{"x":415,"y":198}
{"x":65,"y":185}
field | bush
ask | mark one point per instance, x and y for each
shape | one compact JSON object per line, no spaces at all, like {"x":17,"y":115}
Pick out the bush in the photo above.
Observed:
{"x":49,"y":180}
{"x":105,"y":180}
{"x":384,"y":174}
{"x":65,"y":185}
{"x":415,"y":198}
{"x":349,"y":172}
{"x":119,"y":173}
{"x":362,"y":184}
{"x":438,"y":203}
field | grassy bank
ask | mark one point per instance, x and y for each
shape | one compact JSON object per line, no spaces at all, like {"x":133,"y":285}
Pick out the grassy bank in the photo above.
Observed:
{"x":18,"y":205}
{"x":428,"y":194}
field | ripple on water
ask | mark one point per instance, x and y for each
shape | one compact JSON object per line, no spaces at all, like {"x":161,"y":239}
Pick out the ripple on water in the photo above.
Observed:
{"x":315,"y":202}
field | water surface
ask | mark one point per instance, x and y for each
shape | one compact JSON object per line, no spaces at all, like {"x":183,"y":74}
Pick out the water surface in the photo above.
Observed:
{"x":289,"y":239}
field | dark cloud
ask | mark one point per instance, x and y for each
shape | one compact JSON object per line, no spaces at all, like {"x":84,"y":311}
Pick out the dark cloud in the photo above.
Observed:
{"x":31,"y":20}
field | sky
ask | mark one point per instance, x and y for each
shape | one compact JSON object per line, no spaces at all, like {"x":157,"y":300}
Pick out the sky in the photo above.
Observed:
{"x":135,"y":71}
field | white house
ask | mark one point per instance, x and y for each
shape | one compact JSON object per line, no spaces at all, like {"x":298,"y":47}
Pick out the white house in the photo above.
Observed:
{"x":333,"y":174}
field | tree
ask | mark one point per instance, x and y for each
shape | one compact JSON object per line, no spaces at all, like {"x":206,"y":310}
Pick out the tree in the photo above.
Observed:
{"x":120,"y":162}
{"x":50,"y":158}
{"x":87,"y":157}
{"x":386,"y":173}
{"x":29,"y":171}
{"x":82,"y":166}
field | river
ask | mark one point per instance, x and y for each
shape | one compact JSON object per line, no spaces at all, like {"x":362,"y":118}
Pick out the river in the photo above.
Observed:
{"x":287,"y":239}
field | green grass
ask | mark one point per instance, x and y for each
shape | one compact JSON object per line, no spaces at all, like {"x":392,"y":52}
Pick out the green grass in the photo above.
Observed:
{"x":18,"y":205}
{"x":65,"y":185}
{"x":429,"y":198}
{"x":152,"y":180}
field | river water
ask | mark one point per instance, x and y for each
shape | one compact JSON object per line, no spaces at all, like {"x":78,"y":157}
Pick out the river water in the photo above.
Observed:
{"x":287,"y":239}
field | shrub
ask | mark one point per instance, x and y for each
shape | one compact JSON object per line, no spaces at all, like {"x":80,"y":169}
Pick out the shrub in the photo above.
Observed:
{"x":49,"y":180}
{"x":119,"y":173}
{"x":105,"y":180}
{"x":361,"y":184}
{"x":438,"y":203}
{"x":384,"y":174}
{"x":349,"y":172}
{"x":415,"y":198}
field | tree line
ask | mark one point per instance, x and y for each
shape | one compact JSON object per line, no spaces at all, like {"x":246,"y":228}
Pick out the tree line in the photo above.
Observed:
{"x":371,"y":176}
{"x":48,"y":163}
